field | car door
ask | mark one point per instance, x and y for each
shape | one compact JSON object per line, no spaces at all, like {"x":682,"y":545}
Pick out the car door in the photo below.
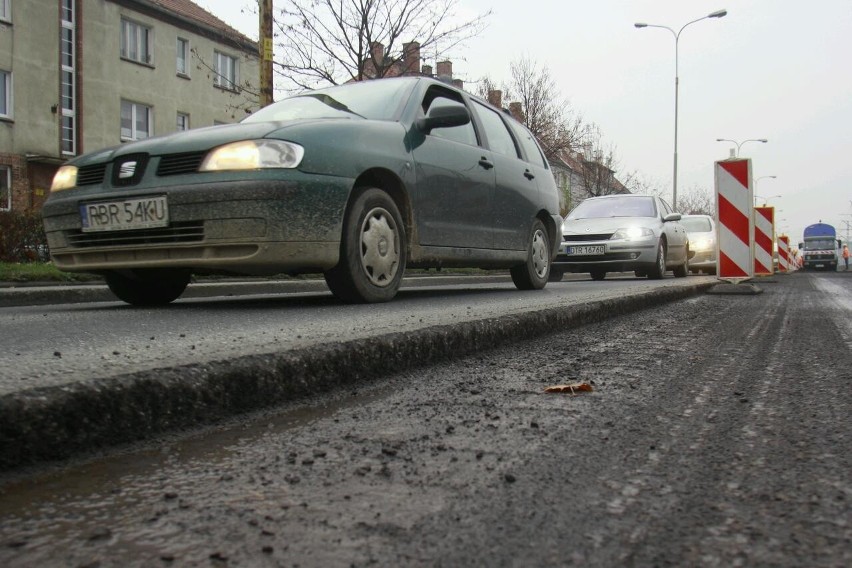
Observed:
{"x":515,"y":188}
{"x":453,"y":198}
{"x":675,"y":235}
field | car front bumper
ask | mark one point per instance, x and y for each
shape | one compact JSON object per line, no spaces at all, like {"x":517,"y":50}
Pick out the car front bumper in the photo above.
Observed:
{"x":251,"y":226}
{"x":619,"y":256}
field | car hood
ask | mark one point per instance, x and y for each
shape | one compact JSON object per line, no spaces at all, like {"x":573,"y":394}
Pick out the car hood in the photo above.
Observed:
{"x":196,"y":140}
{"x":605,"y":225}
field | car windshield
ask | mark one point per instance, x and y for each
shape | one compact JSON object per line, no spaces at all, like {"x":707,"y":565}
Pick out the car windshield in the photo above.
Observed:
{"x":696,"y":224}
{"x":376,"y":100}
{"x":615,"y":207}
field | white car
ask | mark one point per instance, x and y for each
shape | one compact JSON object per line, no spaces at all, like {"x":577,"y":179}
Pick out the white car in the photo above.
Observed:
{"x":619,"y":233}
{"x":702,"y":242}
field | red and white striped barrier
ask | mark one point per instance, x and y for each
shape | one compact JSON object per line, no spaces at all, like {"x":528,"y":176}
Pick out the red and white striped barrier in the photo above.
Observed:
{"x":764,"y":237}
{"x":785,"y":262}
{"x":735,"y":227}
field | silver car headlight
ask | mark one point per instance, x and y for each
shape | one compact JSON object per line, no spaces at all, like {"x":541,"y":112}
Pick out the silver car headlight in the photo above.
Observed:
{"x":632,"y":233}
{"x":253,"y":155}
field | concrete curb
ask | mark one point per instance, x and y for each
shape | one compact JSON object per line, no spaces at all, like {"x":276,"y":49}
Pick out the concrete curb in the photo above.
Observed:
{"x":56,"y":423}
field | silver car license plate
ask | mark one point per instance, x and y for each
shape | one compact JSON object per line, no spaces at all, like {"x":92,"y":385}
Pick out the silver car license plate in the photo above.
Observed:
{"x":585,"y":250}
{"x":127,"y":214}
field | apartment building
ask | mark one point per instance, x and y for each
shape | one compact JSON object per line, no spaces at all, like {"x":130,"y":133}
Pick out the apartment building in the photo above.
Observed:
{"x":80,"y":75}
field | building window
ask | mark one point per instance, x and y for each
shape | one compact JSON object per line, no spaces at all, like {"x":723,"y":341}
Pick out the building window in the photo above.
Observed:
{"x":5,"y":94}
{"x":183,"y":56}
{"x":5,"y":10}
{"x":135,"y":121}
{"x":5,"y":188}
{"x":67,"y":77}
{"x":135,"y":41}
{"x":182,"y":121}
{"x":225,"y":68}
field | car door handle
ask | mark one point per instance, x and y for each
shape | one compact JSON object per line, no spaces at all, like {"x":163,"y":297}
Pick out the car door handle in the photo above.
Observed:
{"x":529,"y":175}
{"x":486,"y":163}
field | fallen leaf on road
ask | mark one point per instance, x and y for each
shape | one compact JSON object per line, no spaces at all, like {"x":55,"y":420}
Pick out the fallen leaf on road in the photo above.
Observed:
{"x":573,"y":388}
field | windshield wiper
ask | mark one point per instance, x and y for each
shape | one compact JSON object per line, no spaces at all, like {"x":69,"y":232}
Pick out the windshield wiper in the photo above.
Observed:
{"x":333,"y":103}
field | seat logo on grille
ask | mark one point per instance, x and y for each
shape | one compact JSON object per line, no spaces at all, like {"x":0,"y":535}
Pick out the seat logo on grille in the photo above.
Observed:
{"x":127,"y":169}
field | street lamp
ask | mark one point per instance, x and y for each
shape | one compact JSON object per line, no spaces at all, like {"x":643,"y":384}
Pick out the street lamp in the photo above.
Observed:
{"x":739,"y":144}
{"x":764,"y":198}
{"x":716,"y":14}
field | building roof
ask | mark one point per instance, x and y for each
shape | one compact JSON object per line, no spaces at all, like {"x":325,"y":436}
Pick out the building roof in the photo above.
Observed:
{"x":192,"y":12}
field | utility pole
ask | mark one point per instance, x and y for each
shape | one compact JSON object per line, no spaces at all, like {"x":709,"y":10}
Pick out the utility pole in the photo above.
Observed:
{"x":265,"y":52}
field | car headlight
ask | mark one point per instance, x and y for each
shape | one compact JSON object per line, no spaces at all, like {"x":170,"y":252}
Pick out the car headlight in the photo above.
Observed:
{"x":64,"y":178}
{"x":253,"y":155}
{"x":633,"y":233}
{"x":702,"y":244}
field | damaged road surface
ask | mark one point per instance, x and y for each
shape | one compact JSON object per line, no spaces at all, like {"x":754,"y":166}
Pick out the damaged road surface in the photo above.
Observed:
{"x":716,"y":433}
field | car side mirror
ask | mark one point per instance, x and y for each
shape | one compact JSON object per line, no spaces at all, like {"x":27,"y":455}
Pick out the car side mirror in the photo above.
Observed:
{"x":672,"y":217}
{"x":443,"y":117}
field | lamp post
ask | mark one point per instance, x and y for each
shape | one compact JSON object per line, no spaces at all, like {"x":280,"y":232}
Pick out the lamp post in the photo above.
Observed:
{"x":764,"y":198}
{"x":739,"y":144}
{"x":716,"y":14}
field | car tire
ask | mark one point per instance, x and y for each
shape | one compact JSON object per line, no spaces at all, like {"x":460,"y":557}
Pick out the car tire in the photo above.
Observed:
{"x":372,"y":251}
{"x":555,"y":275}
{"x":681,"y":270}
{"x":659,"y":269}
{"x":533,"y":274}
{"x":148,"y":287}
{"x":640,"y":273}
{"x":598,"y":274}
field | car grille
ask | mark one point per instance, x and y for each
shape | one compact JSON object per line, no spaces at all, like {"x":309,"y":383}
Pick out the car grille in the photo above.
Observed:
{"x":583,"y":238}
{"x":186,"y":232}
{"x":91,"y":175}
{"x":175,"y":164}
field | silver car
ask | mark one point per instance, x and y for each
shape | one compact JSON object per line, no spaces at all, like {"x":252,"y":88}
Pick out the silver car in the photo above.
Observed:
{"x":620,"y":233}
{"x":702,"y":242}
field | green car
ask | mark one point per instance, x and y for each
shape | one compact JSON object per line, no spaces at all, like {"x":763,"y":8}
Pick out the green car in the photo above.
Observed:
{"x":357,"y":181}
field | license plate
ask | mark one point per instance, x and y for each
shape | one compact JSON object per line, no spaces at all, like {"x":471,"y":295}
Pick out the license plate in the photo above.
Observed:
{"x":585,"y":250}
{"x":124,"y":215}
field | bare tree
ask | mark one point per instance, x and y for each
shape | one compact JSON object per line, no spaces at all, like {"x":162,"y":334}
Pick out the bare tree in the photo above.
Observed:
{"x":598,"y":166}
{"x":329,"y":42}
{"x":697,"y":200}
{"x":549,"y":117}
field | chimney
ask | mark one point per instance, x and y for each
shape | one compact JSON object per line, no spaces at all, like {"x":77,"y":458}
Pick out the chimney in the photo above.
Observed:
{"x":495,"y":97}
{"x":411,"y":58}
{"x":517,"y":111}
{"x":445,"y":70}
{"x":427,"y":70}
{"x":458,"y":84}
{"x":377,"y":52}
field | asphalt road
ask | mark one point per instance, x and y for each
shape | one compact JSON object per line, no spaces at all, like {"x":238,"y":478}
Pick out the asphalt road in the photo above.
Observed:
{"x":717,"y":434}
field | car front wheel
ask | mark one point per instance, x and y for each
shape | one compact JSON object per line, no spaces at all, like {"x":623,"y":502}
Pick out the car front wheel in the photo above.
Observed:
{"x":555,"y":275}
{"x":659,"y":268}
{"x":598,"y":274}
{"x":148,"y":287}
{"x":372,"y":251}
{"x":533,"y":274}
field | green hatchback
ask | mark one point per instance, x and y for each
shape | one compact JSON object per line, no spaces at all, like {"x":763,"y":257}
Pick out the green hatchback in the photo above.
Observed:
{"x":357,"y":182}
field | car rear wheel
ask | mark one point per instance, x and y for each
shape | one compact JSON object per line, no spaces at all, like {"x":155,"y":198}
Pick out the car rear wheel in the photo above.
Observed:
{"x":640,"y":273}
{"x":372,"y":251}
{"x":533,"y":274}
{"x":598,"y":274}
{"x":682,"y":269}
{"x":659,"y":268}
{"x":555,"y":275}
{"x":148,"y":287}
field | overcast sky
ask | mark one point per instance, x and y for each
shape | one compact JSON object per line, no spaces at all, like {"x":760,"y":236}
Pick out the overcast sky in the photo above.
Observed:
{"x":773,"y":69}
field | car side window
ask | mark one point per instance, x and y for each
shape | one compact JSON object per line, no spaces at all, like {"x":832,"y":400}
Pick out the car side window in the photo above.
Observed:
{"x":528,"y":143}
{"x":499,"y":138}
{"x":466,"y":134}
